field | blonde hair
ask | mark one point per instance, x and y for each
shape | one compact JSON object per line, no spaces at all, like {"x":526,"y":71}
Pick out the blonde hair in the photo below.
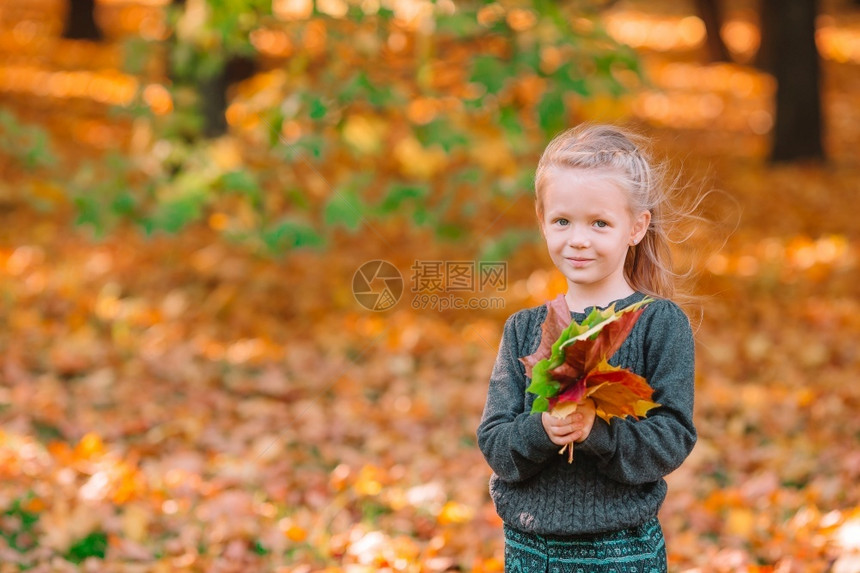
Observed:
{"x":622,"y":155}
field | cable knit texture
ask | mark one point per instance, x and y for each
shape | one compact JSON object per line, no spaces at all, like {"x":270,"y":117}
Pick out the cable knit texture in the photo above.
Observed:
{"x":616,"y":478}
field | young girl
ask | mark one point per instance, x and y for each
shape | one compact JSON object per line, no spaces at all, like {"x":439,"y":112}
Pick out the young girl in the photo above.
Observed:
{"x":600,"y":207}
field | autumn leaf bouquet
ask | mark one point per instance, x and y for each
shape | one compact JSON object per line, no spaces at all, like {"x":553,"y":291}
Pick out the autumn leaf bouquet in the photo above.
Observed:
{"x":571,"y":365}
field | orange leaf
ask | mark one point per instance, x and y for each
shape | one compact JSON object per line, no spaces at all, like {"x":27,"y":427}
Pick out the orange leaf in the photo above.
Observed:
{"x":618,"y":392}
{"x":90,"y":446}
{"x":453,"y":512}
{"x":295,"y":533}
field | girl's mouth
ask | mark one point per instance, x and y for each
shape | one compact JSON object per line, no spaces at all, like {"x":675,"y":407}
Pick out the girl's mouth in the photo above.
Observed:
{"x":578,"y":262}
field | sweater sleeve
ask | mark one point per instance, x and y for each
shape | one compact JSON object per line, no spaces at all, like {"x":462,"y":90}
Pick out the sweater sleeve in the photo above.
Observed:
{"x":512,"y":440}
{"x":645,"y":450}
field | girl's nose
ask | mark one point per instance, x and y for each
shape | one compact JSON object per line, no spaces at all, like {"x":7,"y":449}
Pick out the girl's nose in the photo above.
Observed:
{"x":577,"y":239}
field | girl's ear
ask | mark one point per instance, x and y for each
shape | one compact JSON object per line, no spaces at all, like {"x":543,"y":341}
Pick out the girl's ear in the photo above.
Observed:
{"x":640,"y":227}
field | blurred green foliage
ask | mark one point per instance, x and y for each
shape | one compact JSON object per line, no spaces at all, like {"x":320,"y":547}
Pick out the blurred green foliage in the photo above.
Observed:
{"x":22,"y":537}
{"x":93,"y":545}
{"x":27,"y":145}
{"x":206,"y":35}
{"x":370,"y":118}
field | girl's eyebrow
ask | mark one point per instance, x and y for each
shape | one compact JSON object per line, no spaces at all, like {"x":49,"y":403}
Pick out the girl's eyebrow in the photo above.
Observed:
{"x":583,"y":211}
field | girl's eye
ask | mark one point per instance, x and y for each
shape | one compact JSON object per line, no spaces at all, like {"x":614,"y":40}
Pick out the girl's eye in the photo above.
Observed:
{"x":601,"y":224}
{"x":562,"y":222}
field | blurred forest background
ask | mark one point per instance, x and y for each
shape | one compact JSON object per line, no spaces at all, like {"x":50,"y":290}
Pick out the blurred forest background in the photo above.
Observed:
{"x":191,"y":378}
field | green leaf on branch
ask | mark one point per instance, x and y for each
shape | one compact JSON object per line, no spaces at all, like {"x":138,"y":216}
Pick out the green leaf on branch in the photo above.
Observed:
{"x":242,"y":182}
{"x":345,"y":209}
{"x":552,"y":114}
{"x":510,"y":121}
{"x":360,"y":88}
{"x":450,"y":231}
{"x":317,"y":110}
{"x":290,"y":233}
{"x":398,"y":194}
{"x":441,"y":132}
{"x":491,"y":72}
{"x":89,"y":213}
{"x":505,"y":245}
{"x":459,"y":24}
{"x":570,"y":80}
{"x":124,"y":204}
{"x":174,"y":215}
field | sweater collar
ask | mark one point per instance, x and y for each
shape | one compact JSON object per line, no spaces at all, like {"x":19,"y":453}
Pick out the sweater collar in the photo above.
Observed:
{"x":619,"y":304}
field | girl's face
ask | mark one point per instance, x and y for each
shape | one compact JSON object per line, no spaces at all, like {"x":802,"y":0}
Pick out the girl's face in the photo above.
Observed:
{"x":588,"y":227}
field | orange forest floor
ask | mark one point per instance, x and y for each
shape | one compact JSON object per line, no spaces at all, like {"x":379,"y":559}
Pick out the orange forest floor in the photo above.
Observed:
{"x":195,"y":408}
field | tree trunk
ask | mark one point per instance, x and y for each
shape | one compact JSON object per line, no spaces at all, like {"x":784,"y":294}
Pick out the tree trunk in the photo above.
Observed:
{"x":712,"y":15}
{"x":213,"y":94}
{"x":796,"y":67}
{"x":212,"y":91}
{"x":769,"y":14}
{"x":81,"y":22}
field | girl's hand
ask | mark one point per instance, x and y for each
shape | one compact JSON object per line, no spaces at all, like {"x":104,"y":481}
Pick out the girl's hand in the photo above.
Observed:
{"x":574,"y":428}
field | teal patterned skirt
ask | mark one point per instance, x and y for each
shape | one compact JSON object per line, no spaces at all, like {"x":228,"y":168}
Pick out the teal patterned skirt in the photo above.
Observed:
{"x":636,"y":550}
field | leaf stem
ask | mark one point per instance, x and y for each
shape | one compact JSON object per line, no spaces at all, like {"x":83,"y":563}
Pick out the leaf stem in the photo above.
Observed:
{"x":569,"y":448}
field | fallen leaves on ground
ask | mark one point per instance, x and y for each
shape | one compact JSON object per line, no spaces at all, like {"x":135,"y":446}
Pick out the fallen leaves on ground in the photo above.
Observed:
{"x":173,"y":404}
{"x":180,"y":405}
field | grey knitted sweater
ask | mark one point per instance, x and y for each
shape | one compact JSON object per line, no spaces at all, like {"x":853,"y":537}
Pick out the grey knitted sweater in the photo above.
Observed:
{"x":616,"y":478}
